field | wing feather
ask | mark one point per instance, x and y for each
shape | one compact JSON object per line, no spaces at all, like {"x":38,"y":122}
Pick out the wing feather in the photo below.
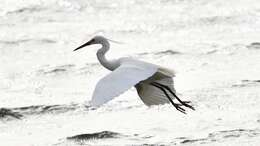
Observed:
{"x":128,"y":74}
{"x":151,"y":95}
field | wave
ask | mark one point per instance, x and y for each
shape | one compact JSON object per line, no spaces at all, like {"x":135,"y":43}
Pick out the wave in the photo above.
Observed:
{"x":232,"y":48}
{"x":223,"y":135}
{"x":9,"y":114}
{"x":68,"y":68}
{"x":30,"y":10}
{"x":254,"y":45}
{"x":211,"y":20}
{"x":21,"y":41}
{"x":16,"y":42}
{"x":55,"y":70}
{"x":96,"y":135}
{"x":160,"y":53}
{"x":211,"y":138}
{"x":22,"y":112}
{"x":43,"y":109}
{"x":246,"y":83}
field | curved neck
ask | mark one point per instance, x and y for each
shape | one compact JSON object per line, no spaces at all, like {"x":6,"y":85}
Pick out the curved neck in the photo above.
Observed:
{"x":110,"y":65}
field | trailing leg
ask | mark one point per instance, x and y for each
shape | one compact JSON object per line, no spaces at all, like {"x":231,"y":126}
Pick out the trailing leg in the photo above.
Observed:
{"x":184,"y":103}
{"x":177,"y":106}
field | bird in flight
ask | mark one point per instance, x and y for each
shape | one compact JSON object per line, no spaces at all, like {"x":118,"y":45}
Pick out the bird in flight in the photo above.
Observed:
{"x":154,"y":84}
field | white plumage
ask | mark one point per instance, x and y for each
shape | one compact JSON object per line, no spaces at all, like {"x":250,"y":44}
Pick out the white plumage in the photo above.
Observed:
{"x":154,"y":84}
{"x":128,"y":74}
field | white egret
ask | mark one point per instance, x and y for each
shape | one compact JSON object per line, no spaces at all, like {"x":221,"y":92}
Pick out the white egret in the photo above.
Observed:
{"x":154,"y":84}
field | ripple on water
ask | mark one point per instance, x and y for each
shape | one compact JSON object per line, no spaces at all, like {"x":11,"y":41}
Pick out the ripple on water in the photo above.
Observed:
{"x":223,"y":135}
{"x":160,"y":53}
{"x":30,"y":9}
{"x":56,"y":70}
{"x":254,"y":45}
{"x":96,"y":135}
{"x":247,"y":83}
{"x":23,"y":112}
{"x":8,"y":114}
{"x":21,"y":41}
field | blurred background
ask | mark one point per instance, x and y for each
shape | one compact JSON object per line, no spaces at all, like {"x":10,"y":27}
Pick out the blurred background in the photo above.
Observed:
{"x":214,"y":46}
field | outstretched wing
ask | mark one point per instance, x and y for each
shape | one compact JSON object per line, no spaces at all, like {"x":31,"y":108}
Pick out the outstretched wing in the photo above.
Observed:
{"x":128,"y":74}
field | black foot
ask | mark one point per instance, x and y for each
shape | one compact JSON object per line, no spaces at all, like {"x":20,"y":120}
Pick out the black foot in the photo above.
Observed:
{"x":187,"y":104}
{"x":179,"y":108}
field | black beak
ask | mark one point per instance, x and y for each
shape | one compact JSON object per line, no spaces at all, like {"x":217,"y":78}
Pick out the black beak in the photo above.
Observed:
{"x":84,"y":45}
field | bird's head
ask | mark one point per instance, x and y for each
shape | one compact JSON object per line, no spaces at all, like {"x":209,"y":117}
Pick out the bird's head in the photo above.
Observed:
{"x":95,"y":40}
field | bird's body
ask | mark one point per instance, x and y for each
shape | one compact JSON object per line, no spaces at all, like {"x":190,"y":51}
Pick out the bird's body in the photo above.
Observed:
{"x":152,"y":95}
{"x":154,"y":84}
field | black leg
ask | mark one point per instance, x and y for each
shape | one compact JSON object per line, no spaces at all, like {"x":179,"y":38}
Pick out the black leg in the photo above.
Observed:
{"x":184,"y":103}
{"x":177,"y":106}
